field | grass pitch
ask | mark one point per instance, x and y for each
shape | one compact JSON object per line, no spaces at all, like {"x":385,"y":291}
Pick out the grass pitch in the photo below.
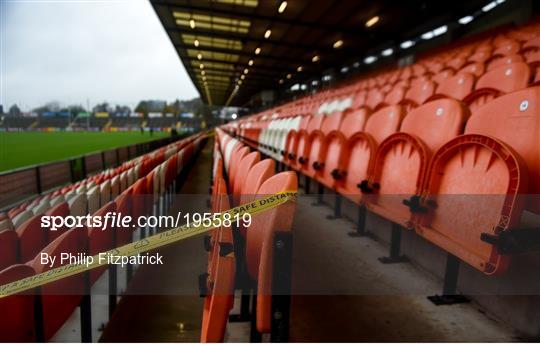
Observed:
{"x":19,"y":149}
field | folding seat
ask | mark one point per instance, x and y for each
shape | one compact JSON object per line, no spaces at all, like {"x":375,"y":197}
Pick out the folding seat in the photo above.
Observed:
{"x":9,"y":248}
{"x":477,"y":69}
{"x":443,"y":75}
{"x":56,"y":199}
{"x":358,"y":150}
{"x":101,"y":238}
{"x":396,"y":95}
{"x":456,"y":87}
{"x":374,"y":100}
{"x":506,"y":47}
{"x":530,"y":47}
{"x":418,"y":94}
{"x":281,"y":139}
{"x":293,"y":140}
{"x":5,"y":223}
{"x":244,"y":166}
{"x":219,"y":281}
{"x":304,"y":141}
{"x":499,"y":81}
{"x":480,"y":183}
{"x":232,"y":145}
{"x":93,"y":195}
{"x":260,"y":243}
{"x":256,"y":176}
{"x":317,"y":144}
{"x":21,"y":217}
{"x":40,"y":207}
{"x":32,"y":238}
{"x":457,"y":63}
{"x":502,"y":60}
{"x":402,"y":159}
{"x":60,"y":298}
{"x":123,"y":181}
{"x":61,"y":210}
{"x":78,"y":204}
{"x":352,"y":123}
{"x":115,"y":186}
{"x":236,"y":157}
{"x":131,"y":176}
{"x":138,"y":195}
{"x":105,"y":191}
{"x":124,"y":206}
{"x":17,"y":311}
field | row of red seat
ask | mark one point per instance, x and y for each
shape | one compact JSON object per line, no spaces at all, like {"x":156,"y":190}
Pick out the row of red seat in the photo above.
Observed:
{"x":21,"y":247}
{"x":249,"y":254}
{"x":464,"y":72}
{"x":452,"y":169}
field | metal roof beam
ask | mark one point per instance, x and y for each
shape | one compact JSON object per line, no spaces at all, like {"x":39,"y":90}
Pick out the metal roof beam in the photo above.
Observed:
{"x":244,"y":54}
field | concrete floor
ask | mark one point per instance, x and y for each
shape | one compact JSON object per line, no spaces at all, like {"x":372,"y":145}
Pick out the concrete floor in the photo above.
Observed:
{"x":341,"y":291}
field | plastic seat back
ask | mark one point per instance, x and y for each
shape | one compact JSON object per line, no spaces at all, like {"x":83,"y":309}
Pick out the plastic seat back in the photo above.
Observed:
{"x":402,"y":159}
{"x":61,"y":210}
{"x":62,"y":297}
{"x":259,"y":243}
{"x":352,"y":123}
{"x":477,"y":69}
{"x":242,"y":172}
{"x":17,"y":323}
{"x":9,"y":248}
{"x":357,"y":157}
{"x":501,"y":80}
{"x":478,"y":180}
{"x":32,"y":238}
{"x":318,"y":144}
{"x":236,"y":158}
{"x":456,"y":87}
{"x":101,"y":238}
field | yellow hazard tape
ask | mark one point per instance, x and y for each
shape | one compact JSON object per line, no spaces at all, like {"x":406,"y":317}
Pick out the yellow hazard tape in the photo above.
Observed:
{"x":152,"y":242}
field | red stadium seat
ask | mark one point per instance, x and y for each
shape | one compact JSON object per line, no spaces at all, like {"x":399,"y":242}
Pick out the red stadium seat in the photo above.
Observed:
{"x":476,"y":180}
{"x":401,"y":159}
{"x":356,"y":159}
{"x":260,"y":243}
{"x":17,"y":323}
{"x":318,"y":145}
{"x":62,"y":210}
{"x":456,"y":87}
{"x":9,"y":248}
{"x":501,"y":80}
{"x":242,"y":172}
{"x":304,"y":141}
{"x":32,"y":238}
{"x":100,"y":238}
{"x":62,"y":297}
{"x":220,"y":278}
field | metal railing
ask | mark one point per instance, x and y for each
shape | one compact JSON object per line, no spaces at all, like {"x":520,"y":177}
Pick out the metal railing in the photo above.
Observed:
{"x":23,"y":183}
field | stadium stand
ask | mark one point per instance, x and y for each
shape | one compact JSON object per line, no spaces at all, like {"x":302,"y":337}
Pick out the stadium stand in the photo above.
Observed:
{"x":444,"y":149}
{"x":161,"y":122}
{"x":22,"y":240}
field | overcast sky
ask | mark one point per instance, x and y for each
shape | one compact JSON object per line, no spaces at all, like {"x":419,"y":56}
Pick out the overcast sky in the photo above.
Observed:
{"x":71,"y":51}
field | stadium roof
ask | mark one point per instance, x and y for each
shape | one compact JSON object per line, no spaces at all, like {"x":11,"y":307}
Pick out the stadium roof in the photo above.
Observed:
{"x":233,"y":49}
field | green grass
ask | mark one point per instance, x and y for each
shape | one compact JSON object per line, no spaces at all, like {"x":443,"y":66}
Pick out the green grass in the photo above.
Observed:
{"x":30,"y":148}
